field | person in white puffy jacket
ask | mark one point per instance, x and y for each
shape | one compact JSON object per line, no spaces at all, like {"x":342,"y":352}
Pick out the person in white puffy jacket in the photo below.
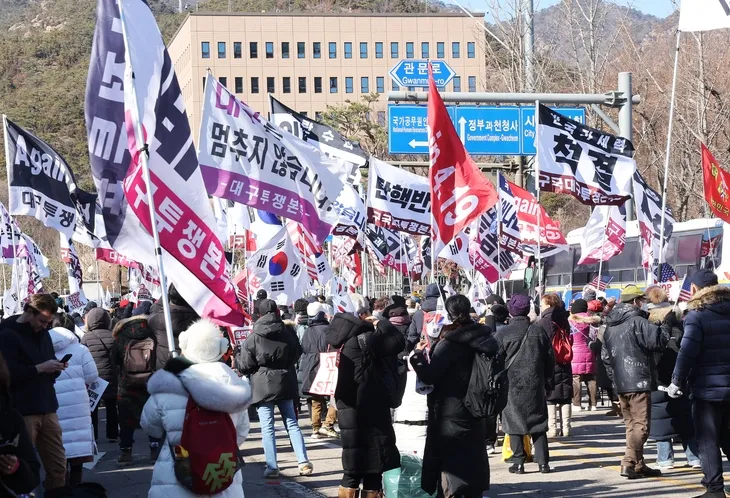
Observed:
{"x":212,"y":384}
{"x":74,"y":411}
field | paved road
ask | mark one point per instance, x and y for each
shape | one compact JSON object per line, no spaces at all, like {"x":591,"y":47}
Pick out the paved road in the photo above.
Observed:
{"x":585,"y":465}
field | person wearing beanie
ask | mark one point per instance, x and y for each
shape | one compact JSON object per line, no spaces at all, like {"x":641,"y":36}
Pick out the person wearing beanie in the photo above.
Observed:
{"x":269,"y":356}
{"x":300,"y":317}
{"x":630,"y":345}
{"x":415,"y":329}
{"x":197,"y":374}
{"x":89,"y":306}
{"x":530,"y":353}
{"x":704,"y":357}
{"x":589,"y":293}
{"x":261,"y":295}
{"x":583,"y":330}
{"x":314,"y":342}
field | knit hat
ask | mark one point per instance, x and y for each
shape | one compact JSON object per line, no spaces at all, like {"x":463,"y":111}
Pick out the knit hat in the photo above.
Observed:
{"x":143,"y":308}
{"x":89,"y":306}
{"x":595,"y":306}
{"x":579,"y":306}
{"x":494,"y":298}
{"x":267,"y":306}
{"x":589,"y":293}
{"x":202,"y":342}
{"x":261,"y":294}
{"x":519,"y":305}
{"x":704,"y":278}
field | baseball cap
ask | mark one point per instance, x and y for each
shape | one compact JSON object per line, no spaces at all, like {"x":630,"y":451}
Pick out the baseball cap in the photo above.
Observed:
{"x":704,"y":278}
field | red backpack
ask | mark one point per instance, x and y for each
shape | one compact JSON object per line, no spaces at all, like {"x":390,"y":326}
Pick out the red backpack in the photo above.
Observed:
{"x":561,"y":345}
{"x":207,"y":457}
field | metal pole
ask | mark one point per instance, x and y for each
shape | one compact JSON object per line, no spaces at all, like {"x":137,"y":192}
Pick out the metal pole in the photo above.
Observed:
{"x":139,"y":138}
{"x":537,"y":191}
{"x":669,"y":149}
{"x":528,"y":38}
{"x":610,"y":99}
{"x":625,"y":120}
{"x":99,"y":288}
{"x":233,"y":249}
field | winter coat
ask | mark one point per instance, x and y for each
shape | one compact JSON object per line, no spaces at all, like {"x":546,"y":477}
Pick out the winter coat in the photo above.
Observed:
{"x":213,"y":386}
{"x":314,"y":342}
{"x":415,"y":328}
{"x":584,"y":360}
{"x":130,"y":400}
{"x":704,"y":356}
{"x":368,"y":439}
{"x":528,"y":378}
{"x":12,"y":426}
{"x":74,"y":414}
{"x":181,"y":317}
{"x":562,"y":378}
{"x":454,"y":438}
{"x":269,"y":356}
{"x":630,"y":342}
{"x":98,"y":338}
{"x":23,"y":349}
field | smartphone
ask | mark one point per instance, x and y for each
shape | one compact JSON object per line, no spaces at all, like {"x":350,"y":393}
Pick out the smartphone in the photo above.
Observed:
{"x":66,"y":358}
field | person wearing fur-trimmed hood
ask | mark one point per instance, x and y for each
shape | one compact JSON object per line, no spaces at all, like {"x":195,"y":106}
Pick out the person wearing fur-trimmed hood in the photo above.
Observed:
{"x":199,"y":374}
{"x":583,"y":329}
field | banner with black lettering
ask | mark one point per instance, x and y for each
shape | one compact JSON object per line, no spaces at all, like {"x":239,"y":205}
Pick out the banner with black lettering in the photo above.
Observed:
{"x":649,"y":215}
{"x":604,"y":236}
{"x":73,"y":270}
{"x":386,"y":250}
{"x":592,"y":166}
{"x":41,"y":183}
{"x":398,"y":200}
{"x":421,"y":266}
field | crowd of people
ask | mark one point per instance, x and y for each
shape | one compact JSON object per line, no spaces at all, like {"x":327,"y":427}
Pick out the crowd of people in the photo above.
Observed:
{"x":664,"y":367}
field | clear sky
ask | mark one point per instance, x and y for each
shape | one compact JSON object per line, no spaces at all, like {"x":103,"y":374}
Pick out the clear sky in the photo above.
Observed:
{"x":659,"y":8}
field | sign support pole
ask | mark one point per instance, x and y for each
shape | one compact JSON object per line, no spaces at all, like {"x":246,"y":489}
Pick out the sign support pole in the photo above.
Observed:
{"x":537,"y":193}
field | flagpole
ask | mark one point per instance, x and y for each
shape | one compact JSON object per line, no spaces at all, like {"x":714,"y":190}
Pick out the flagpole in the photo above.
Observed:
{"x":233,"y":249}
{"x":499,"y":228}
{"x":8,"y":164}
{"x":143,"y":156}
{"x":537,"y":192}
{"x":99,"y":289}
{"x":669,"y":148}
{"x":605,"y":238}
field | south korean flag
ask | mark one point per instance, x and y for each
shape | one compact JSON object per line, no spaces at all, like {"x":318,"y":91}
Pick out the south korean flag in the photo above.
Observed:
{"x":278,"y":269}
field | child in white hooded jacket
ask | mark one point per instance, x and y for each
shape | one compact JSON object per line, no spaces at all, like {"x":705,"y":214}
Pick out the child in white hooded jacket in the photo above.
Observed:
{"x":212,"y":384}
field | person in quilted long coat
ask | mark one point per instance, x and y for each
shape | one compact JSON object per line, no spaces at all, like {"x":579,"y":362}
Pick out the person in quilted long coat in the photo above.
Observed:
{"x":582,"y":325}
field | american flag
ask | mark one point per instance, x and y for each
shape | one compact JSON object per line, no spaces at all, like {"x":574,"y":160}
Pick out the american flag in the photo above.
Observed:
{"x":684,"y":291}
{"x":605,"y":280}
{"x":667,"y":273}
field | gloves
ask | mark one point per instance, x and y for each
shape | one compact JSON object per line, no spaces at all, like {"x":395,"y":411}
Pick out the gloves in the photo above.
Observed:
{"x":673,"y":391}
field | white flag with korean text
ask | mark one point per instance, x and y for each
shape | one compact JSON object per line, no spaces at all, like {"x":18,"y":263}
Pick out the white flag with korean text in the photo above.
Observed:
{"x":649,"y":215}
{"x":704,"y":15}
{"x":604,"y":236}
{"x":73,"y":266}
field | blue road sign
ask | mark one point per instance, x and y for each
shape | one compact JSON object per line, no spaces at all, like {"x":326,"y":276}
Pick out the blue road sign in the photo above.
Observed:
{"x":414,"y":73}
{"x":489,"y":130}
{"x":407,"y":132}
{"x":528,"y":124}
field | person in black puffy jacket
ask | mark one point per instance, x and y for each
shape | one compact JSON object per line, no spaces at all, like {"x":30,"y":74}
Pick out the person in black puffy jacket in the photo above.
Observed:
{"x":100,"y":341}
{"x":182,"y":316}
{"x":703,"y":362}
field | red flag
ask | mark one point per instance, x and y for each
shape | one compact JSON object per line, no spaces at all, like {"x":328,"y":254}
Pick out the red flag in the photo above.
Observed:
{"x":717,"y":185}
{"x":459,"y":191}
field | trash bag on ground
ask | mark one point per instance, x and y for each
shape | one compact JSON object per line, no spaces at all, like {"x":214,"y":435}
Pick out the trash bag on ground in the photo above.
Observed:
{"x":405,"y":482}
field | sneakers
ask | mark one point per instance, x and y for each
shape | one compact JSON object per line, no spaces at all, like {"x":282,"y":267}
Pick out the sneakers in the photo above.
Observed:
{"x":125,"y":459}
{"x":270,"y":473}
{"x":306,"y":469}
{"x":328,"y":431}
{"x":593,"y":408}
{"x":665,"y":465}
{"x":491,"y":449}
{"x":695,"y":465}
{"x":316,"y":436}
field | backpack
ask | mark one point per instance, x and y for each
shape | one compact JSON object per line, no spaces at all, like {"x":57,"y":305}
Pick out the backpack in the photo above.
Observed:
{"x":207,"y":458}
{"x":561,"y":346}
{"x":486,"y":395}
{"x":390,"y":372}
{"x":139,"y":361}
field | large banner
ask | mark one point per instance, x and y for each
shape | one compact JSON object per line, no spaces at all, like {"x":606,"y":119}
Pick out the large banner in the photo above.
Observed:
{"x":398,"y":200}
{"x":649,"y":216}
{"x":246,"y":159}
{"x":10,"y":234}
{"x":350,"y":210}
{"x":73,"y":266}
{"x":131,"y":87}
{"x":41,"y":183}
{"x":717,"y":185}
{"x":495,"y":249}
{"x":590,"y":165}
{"x":604,"y":236}
{"x":386,"y":250}
{"x":704,"y":15}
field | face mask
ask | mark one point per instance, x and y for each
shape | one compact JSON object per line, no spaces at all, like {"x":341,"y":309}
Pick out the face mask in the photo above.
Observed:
{"x":378,"y":314}
{"x":645,"y":307}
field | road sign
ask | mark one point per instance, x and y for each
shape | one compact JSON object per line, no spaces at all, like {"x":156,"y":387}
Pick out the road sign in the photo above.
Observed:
{"x":414,"y":73}
{"x":489,"y":130}
{"x":528,"y":124}
{"x":407,"y":132}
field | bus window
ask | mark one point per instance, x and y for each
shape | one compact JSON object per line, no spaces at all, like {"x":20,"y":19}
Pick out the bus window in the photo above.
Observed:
{"x":630,"y":258}
{"x":711,"y":249}
{"x":560,"y":263}
{"x":626,"y":276}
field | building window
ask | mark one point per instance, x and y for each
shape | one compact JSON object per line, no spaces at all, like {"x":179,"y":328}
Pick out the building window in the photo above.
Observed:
{"x":394,"y":86}
{"x":284,"y":50}
{"x":455,"y":50}
{"x":440,"y":49}
{"x":424,"y":50}
{"x":381,"y":118}
{"x":221,"y":50}
{"x":300,"y":50}
{"x":224,"y":81}
{"x":316,"y":50}
{"x":317,"y":115}
{"x":348,"y":50}
{"x":204,"y":80}
{"x":348,"y":84}
{"x":205,"y":49}
{"x":363,"y":50}
{"x":317,"y":84}
{"x":378,"y":50}
{"x":253,"y":50}
{"x":302,"y":85}
{"x":333,"y":50}
{"x":270,"y":84}
{"x":269,"y":50}
{"x":457,"y":83}
{"x":303,"y":113}
{"x":333,"y":84}
{"x":254,"y":85}
{"x":472,"y":83}
{"x":364,"y":85}
{"x":237,"y":50}
{"x":471,"y":50}
{"x":286,"y":84}
{"x":380,"y":84}
{"x":393,"y":50}
{"x":239,"y":84}
{"x":409,"y":50}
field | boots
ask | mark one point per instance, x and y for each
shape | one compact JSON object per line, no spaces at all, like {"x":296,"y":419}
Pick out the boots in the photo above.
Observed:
{"x":348,"y":493}
{"x":552,"y":420}
{"x":372,"y":494}
{"x":565,"y":411}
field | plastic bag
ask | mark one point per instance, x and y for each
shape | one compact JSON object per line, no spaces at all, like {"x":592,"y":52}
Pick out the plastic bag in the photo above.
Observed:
{"x":507,"y":449}
{"x":405,"y":482}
